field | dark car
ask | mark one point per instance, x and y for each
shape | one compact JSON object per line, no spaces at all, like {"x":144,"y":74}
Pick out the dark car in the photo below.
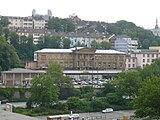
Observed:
{"x":4,"y":101}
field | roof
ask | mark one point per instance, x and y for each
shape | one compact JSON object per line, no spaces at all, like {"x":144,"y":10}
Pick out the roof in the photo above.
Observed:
{"x":22,"y":70}
{"x":71,"y":49}
{"x":110,"y":51}
{"x":46,"y":50}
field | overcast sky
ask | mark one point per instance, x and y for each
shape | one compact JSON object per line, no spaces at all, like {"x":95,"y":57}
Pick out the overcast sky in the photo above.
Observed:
{"x":141,"y":12}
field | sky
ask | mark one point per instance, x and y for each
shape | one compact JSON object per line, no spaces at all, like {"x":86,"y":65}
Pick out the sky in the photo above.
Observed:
{"x":141,"y":12}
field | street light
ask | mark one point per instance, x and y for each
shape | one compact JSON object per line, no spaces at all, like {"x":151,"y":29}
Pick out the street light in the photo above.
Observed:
{"x":92,"y":70}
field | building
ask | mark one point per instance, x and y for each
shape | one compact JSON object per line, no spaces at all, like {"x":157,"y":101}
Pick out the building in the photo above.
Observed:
{"x":125,"y":44}
{"x":80,"y":58}
{"x":19,"y":77}
{"x":35,"y":33}
{"x":139,"y":58}
{"x":156,"y":30}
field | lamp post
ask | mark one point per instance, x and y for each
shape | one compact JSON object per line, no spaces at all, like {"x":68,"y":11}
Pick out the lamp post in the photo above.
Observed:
{"x":92,"y":71}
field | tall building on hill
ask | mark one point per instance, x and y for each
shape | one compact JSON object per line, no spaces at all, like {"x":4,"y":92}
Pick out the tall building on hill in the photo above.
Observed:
{"x":156,"y":30}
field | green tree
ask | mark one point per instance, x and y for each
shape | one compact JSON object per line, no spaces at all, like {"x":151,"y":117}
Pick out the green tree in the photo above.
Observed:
{"x":148,"y":100}
{"x":109,"y":87}
{"x":128,"y":83}
{"x":9,"y":58}
{"x":105,"y":45}
{"x":66,"y":43}
{"x":56,"y":72}
{"x":61,"y":25}
{"x":4,"y":22}
{"x":76,"y":104}
{"x":43,"y":92}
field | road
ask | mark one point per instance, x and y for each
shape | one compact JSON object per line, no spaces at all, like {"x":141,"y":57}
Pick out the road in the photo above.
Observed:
{"x":86,"y":116}
{"x":100,"y":116}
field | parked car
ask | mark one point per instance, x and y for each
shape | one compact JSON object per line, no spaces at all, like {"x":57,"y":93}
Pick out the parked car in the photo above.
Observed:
{"x":4,"y":101}
{"x":107,"y":110}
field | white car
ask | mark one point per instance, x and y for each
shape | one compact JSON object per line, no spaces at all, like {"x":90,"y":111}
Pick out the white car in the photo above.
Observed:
{"x":107,"y":110}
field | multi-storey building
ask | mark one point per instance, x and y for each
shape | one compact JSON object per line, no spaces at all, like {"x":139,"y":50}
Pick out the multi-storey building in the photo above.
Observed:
{"x":80,"y":58}
{"x":125,"y":43}
{"x":139,"y":58}
{"x":26,"y":22}
{"x":35,"y":33}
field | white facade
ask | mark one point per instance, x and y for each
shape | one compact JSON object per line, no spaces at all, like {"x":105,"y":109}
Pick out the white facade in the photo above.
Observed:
{"x":140,"y":58}
{"x":26,"y":22}
{"x":86,"y":41}
{"x":39,"y":24}
{"x":125,"y":44}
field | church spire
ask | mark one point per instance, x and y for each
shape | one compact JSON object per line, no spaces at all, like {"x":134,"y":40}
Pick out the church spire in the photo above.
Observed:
{"x":156,"y":26}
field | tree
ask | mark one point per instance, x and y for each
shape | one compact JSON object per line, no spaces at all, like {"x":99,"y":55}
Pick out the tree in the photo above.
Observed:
{"x":76,"y":104}
{"x":43,"y":92}
{"x":61,"y":25}
{"x":148,"y":100}
{"x":128,"y":83}
{"x":4,"y":22}
{"x":56,"y":72}
{"x":105,"y":45}
{"x":66,"y":43}
{"x":8,"y":55}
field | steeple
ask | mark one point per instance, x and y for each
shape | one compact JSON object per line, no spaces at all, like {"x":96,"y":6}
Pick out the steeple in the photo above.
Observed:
{"x":156,"y":26}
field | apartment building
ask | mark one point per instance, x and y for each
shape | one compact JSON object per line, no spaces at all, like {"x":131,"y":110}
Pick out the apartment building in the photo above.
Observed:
{"x":35,"y":33}
{"x":139,"y":58}
{"x":125,"y":44}
{"x":25,"y":22}
{"x":86,"y":39}
{"x":80,"y":59}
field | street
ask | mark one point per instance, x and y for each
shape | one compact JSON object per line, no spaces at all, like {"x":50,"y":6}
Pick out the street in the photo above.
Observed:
{"x":100,"y":116}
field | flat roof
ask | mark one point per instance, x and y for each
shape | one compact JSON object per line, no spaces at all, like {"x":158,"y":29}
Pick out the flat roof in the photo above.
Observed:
{"x":21,"y":70}
{"x":46,"y":50}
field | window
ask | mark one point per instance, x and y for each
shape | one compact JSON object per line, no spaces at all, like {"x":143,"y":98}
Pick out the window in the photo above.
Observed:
{"x":129,"y":60}
{"x":148,"y":60}
{"x":152,"y":55}
{"x":156,"y":55}
{"x":129,"y":65}
{"x":143,"y":60}
{"x":133,"y":65}
{"x":133,"y":60}
{"x":147,"y":55}
{"x":143,"y":55}
{"x":43,"y":57}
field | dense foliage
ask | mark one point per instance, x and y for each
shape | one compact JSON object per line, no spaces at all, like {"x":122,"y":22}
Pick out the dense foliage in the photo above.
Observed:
{"x":61,"y":25}
{"x":8,"y":56}
{"x":145,"y":37}
{"x":147,"y":103}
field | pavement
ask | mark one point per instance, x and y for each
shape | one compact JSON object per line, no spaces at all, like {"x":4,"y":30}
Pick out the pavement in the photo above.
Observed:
{"x":6,"y":115}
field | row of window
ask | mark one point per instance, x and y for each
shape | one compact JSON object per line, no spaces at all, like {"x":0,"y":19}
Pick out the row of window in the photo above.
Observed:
{"x":150,"y":55}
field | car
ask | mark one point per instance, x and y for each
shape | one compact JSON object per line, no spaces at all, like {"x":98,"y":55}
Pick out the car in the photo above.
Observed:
{"x":107,"y":110}
{"x":4,"y":101}
{"x":74,"y":116}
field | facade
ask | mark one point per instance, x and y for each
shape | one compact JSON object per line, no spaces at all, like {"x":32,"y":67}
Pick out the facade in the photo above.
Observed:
{"x":81,"y":58}
{"x":125,"y":44}
{"x":140,"y":58}
{"x":26,"y":22}
{"x":19,"y":77}
{"x":86,"y":39}
{"x":35,"y":33}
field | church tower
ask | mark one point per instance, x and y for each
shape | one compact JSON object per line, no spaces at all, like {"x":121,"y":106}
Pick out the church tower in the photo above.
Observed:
{"x":156,"y":26}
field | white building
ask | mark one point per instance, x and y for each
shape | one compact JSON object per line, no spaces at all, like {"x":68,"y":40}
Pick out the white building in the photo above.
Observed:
{"x":86,"y":39}
{"x":125,"y":44}
{"x":25,"y":22}
{"x":139,"y":58}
